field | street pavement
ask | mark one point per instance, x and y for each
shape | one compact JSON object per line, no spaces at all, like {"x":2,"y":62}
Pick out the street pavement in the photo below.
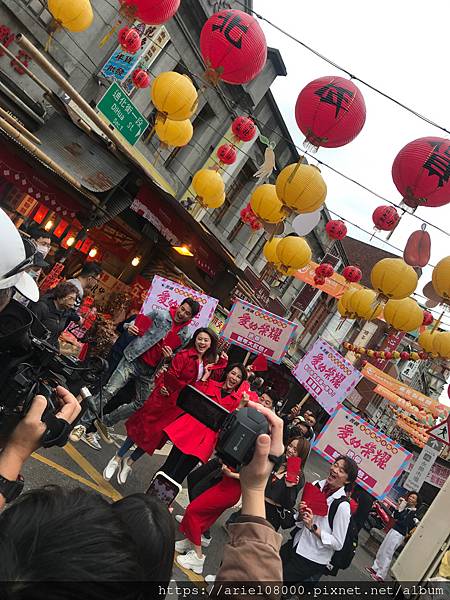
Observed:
{"x":78,"y":464}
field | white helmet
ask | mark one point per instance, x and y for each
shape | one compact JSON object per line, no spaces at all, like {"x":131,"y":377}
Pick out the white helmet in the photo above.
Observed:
{"x":13,"y":261}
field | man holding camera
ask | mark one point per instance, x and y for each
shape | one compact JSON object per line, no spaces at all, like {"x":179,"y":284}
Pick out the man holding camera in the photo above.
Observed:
{"x":17,"y":445}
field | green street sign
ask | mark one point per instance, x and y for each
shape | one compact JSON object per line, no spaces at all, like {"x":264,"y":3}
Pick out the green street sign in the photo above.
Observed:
{"x":122,"y":113}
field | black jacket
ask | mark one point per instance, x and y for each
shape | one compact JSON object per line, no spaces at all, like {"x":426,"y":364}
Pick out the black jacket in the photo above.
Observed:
{"x":404,"y":520}
{"x":53,"y":319}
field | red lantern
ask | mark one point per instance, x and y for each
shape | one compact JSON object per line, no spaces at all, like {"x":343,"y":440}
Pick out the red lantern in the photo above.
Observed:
{"x":352,"y":274}
{"x":324,"y":270}
{"x":330,"y":112}
{"x":243,"y":128}
{"x":227,"y":154}
{"x":129,"y":40}
{"x":336,"y":230}
{"x":385,"y":218}
{"x":427,"y":318}
{"x":233,"y":47}
{"x":404,"y":355}
{"x":318,"y":280}
{"x":421,"y":172}
{"x":154,"y":12}
{"x":141,"y":79}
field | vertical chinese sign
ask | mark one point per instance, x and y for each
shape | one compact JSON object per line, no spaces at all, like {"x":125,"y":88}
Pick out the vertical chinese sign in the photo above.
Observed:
{"x":380,"y":460}
{"x":258,"y":330}
{"x":326,"y":375}
{"x":165,"y":294}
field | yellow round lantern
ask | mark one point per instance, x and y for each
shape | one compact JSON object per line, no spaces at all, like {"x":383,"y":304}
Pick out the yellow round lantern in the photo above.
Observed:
{"x":208,"y":186}
{"x":73,"y":15}
{"x":364,"y":304}
{"x":174,"y":133}
{"x":266,"y":205}
{"x":343,"y":305}
{"x":214,"y":202}
{"x":174,"y":95}
{"x":301,"y":187}
{"x":441,"y":278}
{"x":293,"y":252}
{"x":393,"y":278}
{"x":403,"y":315}
{"x":342,"y":309}
{"x":270,"y":250}
{"x":426,"y":340}
{"x":441,"y":344}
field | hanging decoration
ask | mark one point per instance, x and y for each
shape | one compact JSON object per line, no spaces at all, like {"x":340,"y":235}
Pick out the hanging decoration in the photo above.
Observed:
{"x":404,"y":315}
{"x":420,"y":172}
{"x":173,"y":133}
{"x":324,"y":270}
{"x":330,"y":112}
{"x":385,"y":218}
{"x":174,"y":96}
{"x":301,"y":188}
{"x":319,"y":279}
{"x":243,"y":129}
{"x":441,"y":344}
{"x":209,"y":188}
{"x":387,"y":355}
{"x":249,"y":218}
{"x":441,"y":279}
{"x":293,"y":253}
{"x":154,"y":12}
{"x":233,"y":47}
{"x":393,"y":278}
{"x":426,"y":340}
{"x":227,"y":154}
{"x":363,"y":304}
{"x":140,"y":78}
{"x":266,"y":204}
{"x":427,"y":318}
{"x":305,"y":223}
{"x":265,"y":170}
{"x":352,"y":274}
{"x":344,"y":306}
{"x":336,"y":229}
{"x":418,"y":248}
{"x":270,"y":250}
{"x":129,"y":39}
{"x":75,"y":16}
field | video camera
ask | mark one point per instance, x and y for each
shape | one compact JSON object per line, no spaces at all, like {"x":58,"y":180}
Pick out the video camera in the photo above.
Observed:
{"x":238,"y":430}
{"x":28,"y":366}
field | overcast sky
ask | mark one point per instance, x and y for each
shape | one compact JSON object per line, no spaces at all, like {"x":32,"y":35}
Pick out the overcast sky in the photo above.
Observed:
{"x":400,"y":47}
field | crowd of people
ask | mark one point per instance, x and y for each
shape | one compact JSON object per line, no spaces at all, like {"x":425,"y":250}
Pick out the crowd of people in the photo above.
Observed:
{"x":133,"y":539}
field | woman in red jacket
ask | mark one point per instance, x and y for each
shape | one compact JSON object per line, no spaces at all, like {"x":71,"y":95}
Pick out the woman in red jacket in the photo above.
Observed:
{"x":193,"y":441}
{"x":145,"y":427}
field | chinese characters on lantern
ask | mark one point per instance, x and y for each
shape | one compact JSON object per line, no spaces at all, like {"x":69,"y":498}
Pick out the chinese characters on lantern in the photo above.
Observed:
{"x":438,"y":163}
{"x":258,"y":330}
{"x":335,"y":95}
{"x":380,"y":460}
{"x":327,"y":375}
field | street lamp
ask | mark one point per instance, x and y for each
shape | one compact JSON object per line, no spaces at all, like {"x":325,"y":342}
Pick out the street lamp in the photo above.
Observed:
{"x":183,"y":249}
{"x":135,"y":261}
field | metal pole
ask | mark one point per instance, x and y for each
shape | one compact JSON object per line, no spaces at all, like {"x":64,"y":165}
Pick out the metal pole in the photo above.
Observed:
{"x":15,"y":123}
{"x":30,"y":74}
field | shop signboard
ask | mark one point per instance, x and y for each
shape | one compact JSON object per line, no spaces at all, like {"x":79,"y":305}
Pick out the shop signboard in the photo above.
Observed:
{"x":165,"y":294}
{"x":258,"y":330}
{"x":120,"y":111}
{"x":326,"y":375}
{"x":423,"y":465}
{"x":380,"y":460}
{"x":218,"y":321}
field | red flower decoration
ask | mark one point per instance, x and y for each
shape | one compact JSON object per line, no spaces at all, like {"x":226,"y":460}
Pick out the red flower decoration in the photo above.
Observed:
{"x":385,"y":218}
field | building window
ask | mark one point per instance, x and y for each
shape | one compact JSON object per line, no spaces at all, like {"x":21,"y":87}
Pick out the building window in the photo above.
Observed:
{"x":237,"y":185}
{"x":39,"y":9}
{"x":255,"y":252}
{"x":234,"y":232}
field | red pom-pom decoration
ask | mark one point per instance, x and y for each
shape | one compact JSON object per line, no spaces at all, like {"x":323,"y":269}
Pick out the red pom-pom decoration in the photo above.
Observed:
{"x":243,"y":128}
{"x":336,"y":230}
{"x":227,"y":154}
{"x":385,"y":218}
{"x":129,"y":40}
{"x":352,"y":274}
{"x":141,"y":79}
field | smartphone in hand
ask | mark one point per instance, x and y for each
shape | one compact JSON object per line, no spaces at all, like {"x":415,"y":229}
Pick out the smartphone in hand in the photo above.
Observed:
{"x":294,"y":464}
{"x":164,"y":488}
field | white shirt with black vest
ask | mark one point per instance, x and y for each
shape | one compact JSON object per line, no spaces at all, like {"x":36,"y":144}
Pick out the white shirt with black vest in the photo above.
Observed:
{"x":321,"y":550}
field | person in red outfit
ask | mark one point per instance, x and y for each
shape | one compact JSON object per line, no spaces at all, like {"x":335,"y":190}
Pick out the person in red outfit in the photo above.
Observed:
{"x":145,"y":427}
{"x":192,"y":441}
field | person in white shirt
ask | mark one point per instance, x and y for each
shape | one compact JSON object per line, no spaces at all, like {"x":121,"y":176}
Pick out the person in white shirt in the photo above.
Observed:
{"x":313,"y":542}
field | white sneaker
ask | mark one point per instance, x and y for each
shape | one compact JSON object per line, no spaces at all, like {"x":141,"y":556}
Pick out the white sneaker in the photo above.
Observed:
{"x":183,"y":545}
{"x":179,"y":518}
{"x":122,"y":474}
{"x":206,"y":541}
{"x":92,"y":440}
{"x":192,"y":561}
{"x":111,"y":468}
{"x":210,"y":578}
{"x":77,"y":433}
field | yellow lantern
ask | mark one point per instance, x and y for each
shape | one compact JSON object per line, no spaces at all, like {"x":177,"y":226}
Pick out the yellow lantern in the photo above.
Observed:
{"x":403,"y":315}
{"x":270,"y":250}
{"x":343,"y":306}
{"x":441,"y":278}
{"x":342,"y":310}
{"x":364,"y":304}
{"x":73,"y":15}
{"x":393,"y":278}
{"x":174,"y":133}
{"x":293,"y":252}
{"x":174,"y":95}
{"x":208,"y":186}
{"x":214,"y":202}
{"x":426,"y":340}
{"x":441,"y":344}
{"x":301,"y":187}
{"x":266,"y":205}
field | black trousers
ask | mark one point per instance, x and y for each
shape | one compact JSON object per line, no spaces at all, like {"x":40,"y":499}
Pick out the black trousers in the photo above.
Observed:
{"x":273,"y":516}
{"x":296,"y":568}
{"x":179,"y":465}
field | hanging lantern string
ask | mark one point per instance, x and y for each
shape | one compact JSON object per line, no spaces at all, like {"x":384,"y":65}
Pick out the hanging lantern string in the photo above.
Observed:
{"x":336,"y":66}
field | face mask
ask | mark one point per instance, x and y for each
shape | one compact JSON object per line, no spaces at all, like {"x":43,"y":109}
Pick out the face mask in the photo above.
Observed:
{"x":42,"y":249}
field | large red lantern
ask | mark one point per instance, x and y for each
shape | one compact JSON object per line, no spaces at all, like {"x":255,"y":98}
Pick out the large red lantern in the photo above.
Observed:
{"x":336,"y":230}
{"x":243,"y":128}
{"x":421,"y":172}
{"x":150,"y":12}
{"x":324,"y":270}
{"x":141,"y":79}
{"x":227,"y":154}
{"x":352,"y":274}
{"x":330,"y":112}
{"x":385,"y":218}
{"x":233,"y":47}
{"x":129,"y":40}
